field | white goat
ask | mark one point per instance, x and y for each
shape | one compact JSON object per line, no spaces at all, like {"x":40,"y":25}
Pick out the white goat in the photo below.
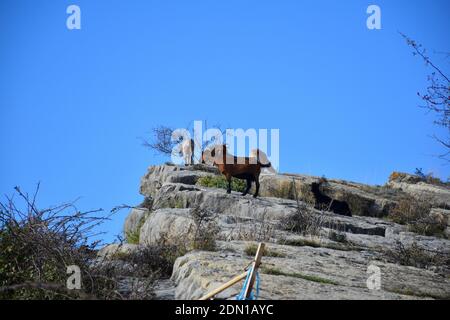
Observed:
{"x":187,"y":149}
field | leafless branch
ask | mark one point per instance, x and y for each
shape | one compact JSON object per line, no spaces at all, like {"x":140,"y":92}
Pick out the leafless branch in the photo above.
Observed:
{"x":437,"y":94}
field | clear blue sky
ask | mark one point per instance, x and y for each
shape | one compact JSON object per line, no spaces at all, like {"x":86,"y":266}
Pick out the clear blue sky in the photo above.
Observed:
{"x":73,"y":103}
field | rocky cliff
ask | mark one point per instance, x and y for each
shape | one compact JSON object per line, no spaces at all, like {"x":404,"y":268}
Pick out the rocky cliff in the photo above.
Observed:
{"x":350,"y":229}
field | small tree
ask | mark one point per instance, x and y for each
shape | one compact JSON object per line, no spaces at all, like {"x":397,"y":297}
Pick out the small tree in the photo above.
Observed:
{"x":161,"y":141}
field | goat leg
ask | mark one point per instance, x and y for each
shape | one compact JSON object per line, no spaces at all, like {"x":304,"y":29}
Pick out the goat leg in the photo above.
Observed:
{"x":257,"y":188}
{"x":249,"y":185}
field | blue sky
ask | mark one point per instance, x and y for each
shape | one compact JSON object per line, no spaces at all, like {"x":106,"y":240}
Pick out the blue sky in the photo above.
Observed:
{"x":73,"y":103}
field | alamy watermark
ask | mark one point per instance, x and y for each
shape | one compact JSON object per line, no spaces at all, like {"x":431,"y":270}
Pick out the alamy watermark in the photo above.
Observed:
{"x":74,"y":280}
{"x":73,"y":22}
{"x":374,"y":280}
{"x":374,"y":20}
{"x":266,"y":141}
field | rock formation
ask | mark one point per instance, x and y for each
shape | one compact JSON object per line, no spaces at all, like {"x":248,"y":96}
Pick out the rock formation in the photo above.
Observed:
{"x":354,"y":232}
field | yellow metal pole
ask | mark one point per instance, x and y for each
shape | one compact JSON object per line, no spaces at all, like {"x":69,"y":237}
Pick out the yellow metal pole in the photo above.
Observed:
{"x":253,"y":271}
{"x":255,"y":264}
{"x":224,"y":286}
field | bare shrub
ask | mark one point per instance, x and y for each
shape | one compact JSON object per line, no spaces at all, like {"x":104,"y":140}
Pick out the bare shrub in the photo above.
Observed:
{"x":416,"y":214}
{"x":118,"y":280}
{"x":416,"y":256}
{"x":283,"y":190}
{"x":37,"y":246}
{"x":153,"y":259}
{"x":304,"y":221}
{"x":206,"y":229}
{"x":162,"y":140}
{"x":136,"y":272}
{"x":262,"y":230}
{"x":173,"y":248}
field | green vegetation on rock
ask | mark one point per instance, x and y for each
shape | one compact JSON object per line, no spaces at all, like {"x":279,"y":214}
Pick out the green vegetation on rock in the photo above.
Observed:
{"x":220,"y":182}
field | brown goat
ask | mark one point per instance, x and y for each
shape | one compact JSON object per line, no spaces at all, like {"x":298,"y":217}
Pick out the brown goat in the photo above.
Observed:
{"x":244,"y":168}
